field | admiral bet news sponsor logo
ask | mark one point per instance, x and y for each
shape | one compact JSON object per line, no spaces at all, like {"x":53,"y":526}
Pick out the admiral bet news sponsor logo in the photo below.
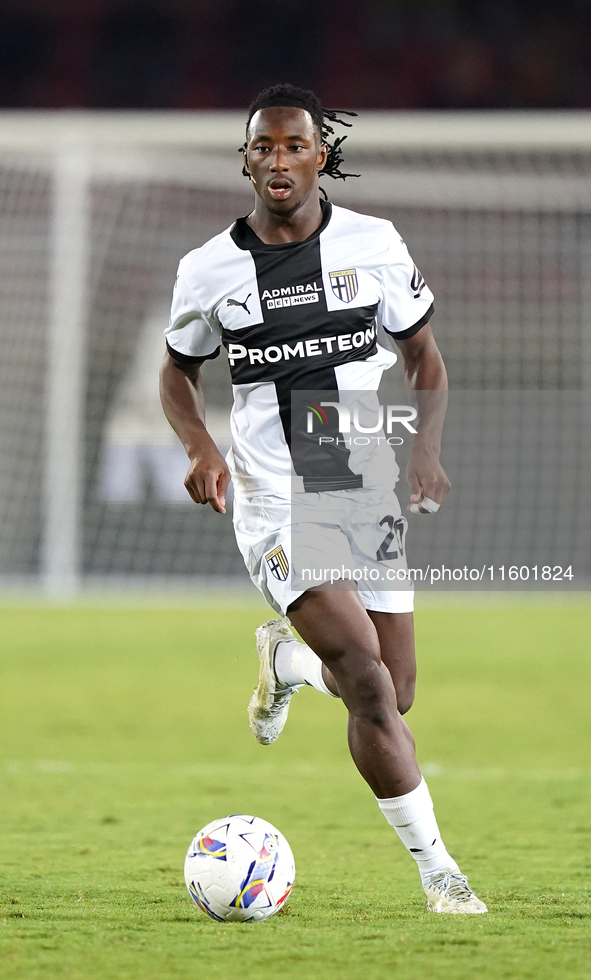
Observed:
{"x":291,"y":295}
{"x":390,"y":414}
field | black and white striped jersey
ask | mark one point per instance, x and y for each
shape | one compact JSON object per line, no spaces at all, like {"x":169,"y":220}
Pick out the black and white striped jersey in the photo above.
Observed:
{"x":302,"y":316}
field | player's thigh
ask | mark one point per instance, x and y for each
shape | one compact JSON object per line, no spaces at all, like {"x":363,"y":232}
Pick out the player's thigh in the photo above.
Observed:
{"x":397,"y":647}
{"x":336,"y":626}
{"x":334,"y":623}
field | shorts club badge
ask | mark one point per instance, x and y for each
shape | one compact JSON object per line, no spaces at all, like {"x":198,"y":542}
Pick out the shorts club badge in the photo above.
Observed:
{"x":278,"y":563}
{"x":344,"y":284}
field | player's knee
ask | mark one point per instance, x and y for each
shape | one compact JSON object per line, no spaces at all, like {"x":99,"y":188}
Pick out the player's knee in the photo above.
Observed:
{"x":372,"y":702}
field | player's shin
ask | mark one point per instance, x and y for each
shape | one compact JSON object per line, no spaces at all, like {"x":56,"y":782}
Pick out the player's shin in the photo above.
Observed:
{"x":296,"y":663}
{"x":413,"y":819}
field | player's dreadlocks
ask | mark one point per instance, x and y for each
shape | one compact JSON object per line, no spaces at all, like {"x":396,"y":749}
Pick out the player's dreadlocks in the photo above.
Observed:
{"x":302,"y":98}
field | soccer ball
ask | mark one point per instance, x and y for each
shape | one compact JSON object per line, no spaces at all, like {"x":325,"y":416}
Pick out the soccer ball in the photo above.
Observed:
{"x":239,"y":869}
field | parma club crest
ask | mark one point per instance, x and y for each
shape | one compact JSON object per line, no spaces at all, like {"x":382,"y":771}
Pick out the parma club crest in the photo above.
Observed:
{"x":344,"y":284}
{"x":278,"y":563}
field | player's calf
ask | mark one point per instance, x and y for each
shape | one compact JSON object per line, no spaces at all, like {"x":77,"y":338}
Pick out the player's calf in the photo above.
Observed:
{"x":405,"y":695}
{"x":397,"y":648}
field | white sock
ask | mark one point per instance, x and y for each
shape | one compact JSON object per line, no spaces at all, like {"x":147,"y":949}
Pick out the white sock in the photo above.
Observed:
{"x":296,"y":664}
{"x":413,"y":820}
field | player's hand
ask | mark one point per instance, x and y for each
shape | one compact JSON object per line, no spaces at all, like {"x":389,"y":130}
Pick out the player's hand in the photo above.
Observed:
{"x":208,"y":479}
{"x":428,"y":482}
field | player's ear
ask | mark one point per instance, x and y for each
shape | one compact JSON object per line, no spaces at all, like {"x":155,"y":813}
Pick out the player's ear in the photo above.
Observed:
{"x":322,"y":155}
{"x":245,"y":170}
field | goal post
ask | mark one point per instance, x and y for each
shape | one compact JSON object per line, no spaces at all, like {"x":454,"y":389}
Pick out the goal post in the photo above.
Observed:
{"x":63,"y":436}
{"x":98,"y":208}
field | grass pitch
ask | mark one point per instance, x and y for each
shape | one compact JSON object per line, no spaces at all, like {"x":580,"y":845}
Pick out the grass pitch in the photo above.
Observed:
{"x":125,"y":730}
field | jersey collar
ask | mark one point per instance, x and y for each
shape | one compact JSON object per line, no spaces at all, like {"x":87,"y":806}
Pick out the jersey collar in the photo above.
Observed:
{"x":245,"y":238}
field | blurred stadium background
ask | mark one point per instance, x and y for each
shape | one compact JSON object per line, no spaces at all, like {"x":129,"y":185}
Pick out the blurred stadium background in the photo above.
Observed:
{"x":215,"y":54}
{"x":118,"y":154}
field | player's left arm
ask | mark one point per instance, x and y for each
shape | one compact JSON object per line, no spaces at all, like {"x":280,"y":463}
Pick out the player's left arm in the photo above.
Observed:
{"x":425,"y":375}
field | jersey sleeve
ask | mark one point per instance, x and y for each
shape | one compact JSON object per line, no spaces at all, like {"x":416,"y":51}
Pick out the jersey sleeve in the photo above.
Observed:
{"x":191,"y":335}
{"x":407,"y":301}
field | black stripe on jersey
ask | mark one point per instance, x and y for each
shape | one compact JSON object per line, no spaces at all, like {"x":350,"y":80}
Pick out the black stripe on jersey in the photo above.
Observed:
{"x":411,"y":331}
{"x":322,"y":467}
{"x":303,"y":338}
{"x":281,"y":267}
{"x":188,"y":359}
{"x":298,"y":346}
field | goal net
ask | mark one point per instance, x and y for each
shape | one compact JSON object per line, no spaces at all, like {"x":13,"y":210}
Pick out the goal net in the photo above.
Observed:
{"x":98,"y":208}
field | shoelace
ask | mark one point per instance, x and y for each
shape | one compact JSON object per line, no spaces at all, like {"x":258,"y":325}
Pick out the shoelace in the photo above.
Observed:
{"x":454,"y":883}
{"x":279,"y":699}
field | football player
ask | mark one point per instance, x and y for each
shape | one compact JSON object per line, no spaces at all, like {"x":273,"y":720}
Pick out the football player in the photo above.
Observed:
{"x":295,"y":292}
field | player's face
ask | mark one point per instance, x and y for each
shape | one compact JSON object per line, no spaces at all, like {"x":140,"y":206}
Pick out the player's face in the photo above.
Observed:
{"x":283,"y":156}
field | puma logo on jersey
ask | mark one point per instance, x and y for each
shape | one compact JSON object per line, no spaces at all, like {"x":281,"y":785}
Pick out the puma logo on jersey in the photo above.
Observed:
{"x":417,"y":283}
{"x":236,"y":302}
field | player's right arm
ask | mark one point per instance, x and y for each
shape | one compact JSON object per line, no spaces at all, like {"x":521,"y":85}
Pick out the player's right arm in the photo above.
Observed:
{"x":192,"y":337}
{"x":183,"y":402}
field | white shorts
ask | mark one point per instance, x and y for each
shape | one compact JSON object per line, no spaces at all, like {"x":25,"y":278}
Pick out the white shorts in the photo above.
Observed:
{"x":291,"y":545}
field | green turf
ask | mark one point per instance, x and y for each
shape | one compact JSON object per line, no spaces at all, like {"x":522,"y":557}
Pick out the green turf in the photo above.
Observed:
{"x":124,"y":731}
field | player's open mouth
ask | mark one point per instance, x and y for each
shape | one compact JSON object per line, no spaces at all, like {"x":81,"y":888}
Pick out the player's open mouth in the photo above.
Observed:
{"x":280,"y":189}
